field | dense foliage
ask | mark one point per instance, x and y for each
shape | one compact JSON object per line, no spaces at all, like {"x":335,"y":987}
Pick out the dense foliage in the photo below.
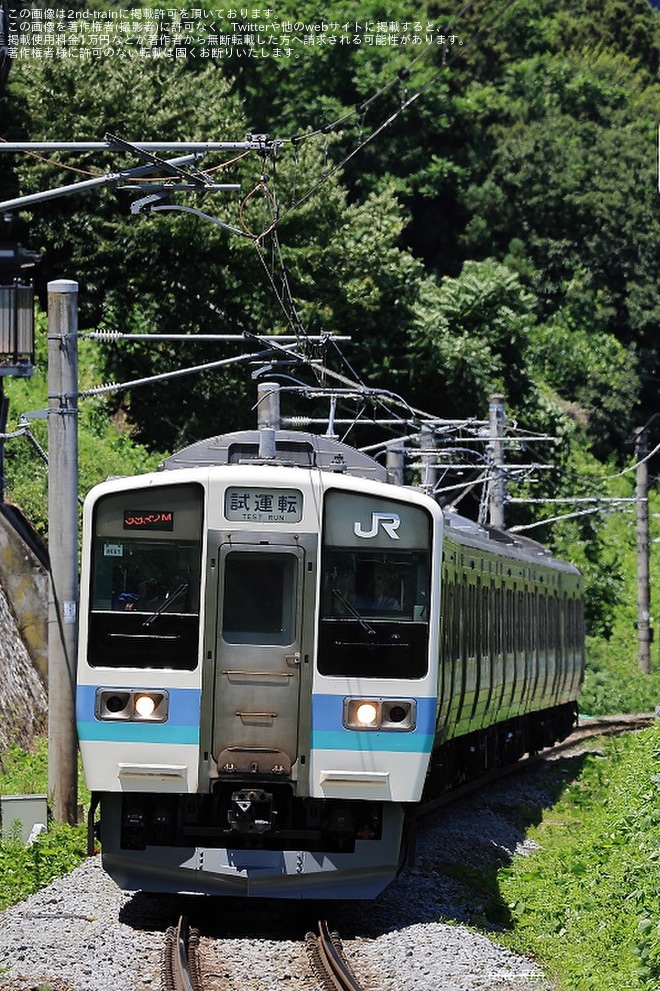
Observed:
{"x":587,"y":899}
{"x":105,"y":446}
{"x":478,"y":216}
{"x":27,"y":868}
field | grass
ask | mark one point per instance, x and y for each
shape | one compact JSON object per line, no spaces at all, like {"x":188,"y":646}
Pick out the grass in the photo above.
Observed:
{"x":613,"y":684}
{"x":25,"y":869}
{"x":587,"y":901}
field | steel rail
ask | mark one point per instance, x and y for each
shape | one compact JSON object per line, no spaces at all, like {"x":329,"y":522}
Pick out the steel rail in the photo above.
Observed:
{"x":180,"y":958}
{"x":328,"y":961}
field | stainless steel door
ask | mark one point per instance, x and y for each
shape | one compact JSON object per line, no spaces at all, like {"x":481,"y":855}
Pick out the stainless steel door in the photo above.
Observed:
{"x":257,"y":684}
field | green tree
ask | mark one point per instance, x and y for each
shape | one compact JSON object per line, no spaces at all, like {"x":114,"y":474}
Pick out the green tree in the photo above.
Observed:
{"x":330,"y":265}
{"x":593,"y":378}
{"x":573,"y":179}
{"x":471,"y":338}
{"x":532,"y":148}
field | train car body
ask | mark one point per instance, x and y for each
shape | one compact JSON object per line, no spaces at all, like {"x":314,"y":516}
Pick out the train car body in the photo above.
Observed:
{"x":280,"y":654}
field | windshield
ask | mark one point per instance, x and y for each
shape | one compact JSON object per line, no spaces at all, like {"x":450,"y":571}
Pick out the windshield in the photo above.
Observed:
{"x":147,"y":576}
{"x":375,"y":587}
{"x":146,"y":570}
{"x":368,"y":584}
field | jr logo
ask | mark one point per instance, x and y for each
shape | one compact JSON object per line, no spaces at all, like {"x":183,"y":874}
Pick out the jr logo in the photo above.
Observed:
{"x":390,"y":523}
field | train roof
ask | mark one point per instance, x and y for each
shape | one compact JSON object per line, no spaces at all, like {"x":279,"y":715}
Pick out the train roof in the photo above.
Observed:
{"x":294,"y":448}
{"x":504,"y":543}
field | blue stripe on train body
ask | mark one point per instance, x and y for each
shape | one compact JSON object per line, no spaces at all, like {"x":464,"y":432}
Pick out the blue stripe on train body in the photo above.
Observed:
{"x":328,"y":733}
{"x":181,"y":726}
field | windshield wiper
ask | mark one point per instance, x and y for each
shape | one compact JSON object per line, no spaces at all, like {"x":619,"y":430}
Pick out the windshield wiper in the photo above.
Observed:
{"x":167,"y":601}
{"x":353,"y":611}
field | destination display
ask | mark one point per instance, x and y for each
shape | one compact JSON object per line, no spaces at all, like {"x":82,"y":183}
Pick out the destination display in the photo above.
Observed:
{"x":259,"y":505}
{"x":148,"y":519}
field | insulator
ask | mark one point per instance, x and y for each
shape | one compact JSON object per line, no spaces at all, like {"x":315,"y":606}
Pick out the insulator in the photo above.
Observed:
{"x":101,"y":388}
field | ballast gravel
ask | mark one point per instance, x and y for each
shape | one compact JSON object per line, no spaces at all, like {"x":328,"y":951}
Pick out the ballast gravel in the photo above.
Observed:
{"x":82,"y":933}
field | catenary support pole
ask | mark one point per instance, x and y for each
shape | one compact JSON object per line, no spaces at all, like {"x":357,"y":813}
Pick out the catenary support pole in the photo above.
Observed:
{"x":395,"y":462}
{"x":4,"y":413}
{"x":429,"y":460}
{"x":62,"y":546}
{"x":496,"y":451}
{"x":643,"y":588}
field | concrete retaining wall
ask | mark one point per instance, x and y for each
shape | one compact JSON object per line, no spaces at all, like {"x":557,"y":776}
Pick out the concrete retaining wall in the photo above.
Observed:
{"x":24,"y":579}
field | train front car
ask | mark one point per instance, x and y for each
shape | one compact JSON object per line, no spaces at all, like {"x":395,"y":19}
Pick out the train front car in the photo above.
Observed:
{"x":257,"y":673}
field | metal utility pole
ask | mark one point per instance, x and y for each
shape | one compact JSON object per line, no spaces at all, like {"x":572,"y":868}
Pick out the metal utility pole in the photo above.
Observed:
{"x":643,"y":587}
{"x":496,"y":460}
{"x":268,"y":417}
{"x":62,"y":546}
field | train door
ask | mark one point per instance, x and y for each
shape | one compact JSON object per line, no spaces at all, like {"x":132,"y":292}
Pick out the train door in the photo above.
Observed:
{"x":258,"y":652}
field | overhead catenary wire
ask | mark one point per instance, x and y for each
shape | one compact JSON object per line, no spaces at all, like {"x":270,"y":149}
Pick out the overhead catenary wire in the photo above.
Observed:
{"x":110,"y":336}
{"x":289,"y":307}
{"x":404,"y":105}
{"x":24,"y":431}
{"x":177,"y":373}
{"x":520,"y":528}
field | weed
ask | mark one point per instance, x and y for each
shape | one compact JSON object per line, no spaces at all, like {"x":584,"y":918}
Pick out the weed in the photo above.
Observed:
{"x":25,"y":869}
{"x":588,"y":903}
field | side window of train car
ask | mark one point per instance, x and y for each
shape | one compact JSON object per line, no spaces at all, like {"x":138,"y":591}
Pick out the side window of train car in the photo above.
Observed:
{"x":375,"y":593}
{"x":145,"y":586}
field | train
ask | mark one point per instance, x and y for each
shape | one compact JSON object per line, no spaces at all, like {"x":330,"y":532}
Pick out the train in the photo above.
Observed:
{"x":282,"y":654}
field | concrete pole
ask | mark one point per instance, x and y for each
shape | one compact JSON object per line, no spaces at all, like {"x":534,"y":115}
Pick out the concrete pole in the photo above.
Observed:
{"x":4,"y":413}
{"x":429,"y":472}
{"x":496,"y":459}
{"x":643,"y":586}
{"x":395,"y":462}
{"x":63,"y":547}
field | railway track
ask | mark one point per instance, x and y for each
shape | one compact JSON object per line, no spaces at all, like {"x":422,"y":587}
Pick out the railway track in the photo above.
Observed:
{"x":182,"y":965}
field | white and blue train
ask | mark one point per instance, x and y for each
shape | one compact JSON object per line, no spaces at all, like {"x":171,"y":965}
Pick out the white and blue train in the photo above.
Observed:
{"x":282,"y":654}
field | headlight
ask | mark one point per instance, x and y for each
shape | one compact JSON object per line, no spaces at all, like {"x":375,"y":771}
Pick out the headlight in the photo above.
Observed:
{"x":380,"y":714}
{"x":132,"y":705}
{"x":366,"y":713}
{"x":145,"y":706}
